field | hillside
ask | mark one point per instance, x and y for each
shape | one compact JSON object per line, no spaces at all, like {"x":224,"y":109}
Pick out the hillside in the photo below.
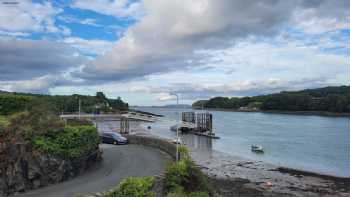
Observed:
{"x":12,"y":102}
{"x":328,"y":99}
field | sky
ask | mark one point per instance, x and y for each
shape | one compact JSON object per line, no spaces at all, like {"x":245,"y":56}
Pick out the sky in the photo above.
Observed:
{"x":147,"y":50}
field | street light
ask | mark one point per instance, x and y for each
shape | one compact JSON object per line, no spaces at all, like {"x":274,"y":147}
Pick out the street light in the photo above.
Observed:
{"x":177,"y":128}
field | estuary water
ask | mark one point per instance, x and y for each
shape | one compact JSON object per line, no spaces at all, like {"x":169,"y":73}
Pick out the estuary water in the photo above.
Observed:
{"x":312,"y":143}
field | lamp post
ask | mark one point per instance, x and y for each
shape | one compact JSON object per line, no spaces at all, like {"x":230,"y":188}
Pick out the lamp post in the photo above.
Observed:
{"x":79,"y":107}
{"x":177,"y":129}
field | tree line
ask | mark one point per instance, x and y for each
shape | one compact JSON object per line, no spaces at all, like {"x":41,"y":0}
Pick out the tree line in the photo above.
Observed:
{"x":15,"y":102}
{"x":332,"y":99}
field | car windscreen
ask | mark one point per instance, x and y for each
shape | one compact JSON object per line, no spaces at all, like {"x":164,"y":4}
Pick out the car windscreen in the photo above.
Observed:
{"x":116,"y":135}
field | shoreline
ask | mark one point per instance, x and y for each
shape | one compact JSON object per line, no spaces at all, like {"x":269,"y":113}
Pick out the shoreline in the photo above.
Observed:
{"x":254,"y":176}
{"x":143,"y":131}
{"x":302,"y":113}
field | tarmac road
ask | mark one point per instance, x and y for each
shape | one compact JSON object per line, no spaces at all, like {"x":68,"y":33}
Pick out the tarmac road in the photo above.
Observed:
{"x":118,"y":162}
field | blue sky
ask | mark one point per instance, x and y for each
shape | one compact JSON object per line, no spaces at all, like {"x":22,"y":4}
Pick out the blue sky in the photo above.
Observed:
{"x":145,"y":50}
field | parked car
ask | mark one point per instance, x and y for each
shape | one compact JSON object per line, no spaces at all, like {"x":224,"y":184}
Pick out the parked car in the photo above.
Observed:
{"x":113,"y":138}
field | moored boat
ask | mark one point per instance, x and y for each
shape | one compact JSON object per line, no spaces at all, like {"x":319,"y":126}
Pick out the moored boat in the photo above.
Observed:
{"x":257,"y":149}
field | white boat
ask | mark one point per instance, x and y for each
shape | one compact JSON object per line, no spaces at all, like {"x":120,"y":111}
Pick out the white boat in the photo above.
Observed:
{"x":258,"y":149}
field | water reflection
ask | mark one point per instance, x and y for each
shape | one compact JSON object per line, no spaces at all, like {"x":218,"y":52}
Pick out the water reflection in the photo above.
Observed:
{"x":197,"y":142}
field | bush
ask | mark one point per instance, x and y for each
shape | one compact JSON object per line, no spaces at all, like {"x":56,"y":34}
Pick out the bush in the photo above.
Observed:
{"x":198,"y":194}
{"x":71,"y":142}
{"x":134,"y":187}
{"x":10,"y":103}
{"x":81,"y":122}
{"x":185,"y":176}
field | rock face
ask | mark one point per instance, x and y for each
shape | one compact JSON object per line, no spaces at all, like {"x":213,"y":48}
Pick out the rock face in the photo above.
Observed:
{"x":23,"y":168}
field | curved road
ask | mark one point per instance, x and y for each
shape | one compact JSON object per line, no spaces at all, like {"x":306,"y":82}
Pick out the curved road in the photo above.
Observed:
{"x":118,"y":162}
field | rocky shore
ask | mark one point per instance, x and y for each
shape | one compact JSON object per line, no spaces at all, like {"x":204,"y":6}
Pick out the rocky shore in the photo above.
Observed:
{"x":235,"y":176}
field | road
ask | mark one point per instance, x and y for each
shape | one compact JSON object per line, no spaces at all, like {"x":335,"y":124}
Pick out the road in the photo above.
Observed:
{"x":118,"y":162}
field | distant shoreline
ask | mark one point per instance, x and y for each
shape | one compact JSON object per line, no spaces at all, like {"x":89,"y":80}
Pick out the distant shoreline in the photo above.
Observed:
{"x":306,"y":113}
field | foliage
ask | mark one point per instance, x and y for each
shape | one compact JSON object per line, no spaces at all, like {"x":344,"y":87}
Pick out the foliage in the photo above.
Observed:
{"x":16,"y":102}
{"x":77,"y":122}
{"x":333,"y":99}
{"x":133,"y":187}
{"x":71,"y":142}
{"x":198,"y":194}
{"x":186,"y":176}
{"x":3,"y":120}
{"x":10,"y":104}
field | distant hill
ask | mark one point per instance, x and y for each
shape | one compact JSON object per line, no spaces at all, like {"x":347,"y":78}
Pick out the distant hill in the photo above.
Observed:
{"x":328,"y":99}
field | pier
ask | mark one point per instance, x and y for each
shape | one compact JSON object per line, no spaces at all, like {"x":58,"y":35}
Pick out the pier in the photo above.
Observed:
{"x":199,"y":124}
{"x":123,"y":118}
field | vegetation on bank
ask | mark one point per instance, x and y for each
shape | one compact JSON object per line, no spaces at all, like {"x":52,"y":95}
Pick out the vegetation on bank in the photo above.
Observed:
{"x":70,"y":142}
{"x":3,"y":120}
{"x":331,"y":99}
{"x":46,"y":132}
{"x":133,"y":187}
{"x":182,"y":179}
{"x":185,"y":179}
{"x":11,"y":103}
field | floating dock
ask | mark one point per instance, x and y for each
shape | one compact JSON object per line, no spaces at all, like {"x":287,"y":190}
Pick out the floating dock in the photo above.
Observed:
{"x":199,"y":124}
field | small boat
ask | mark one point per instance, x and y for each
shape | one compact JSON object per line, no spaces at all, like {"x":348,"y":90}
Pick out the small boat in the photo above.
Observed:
{"x":257,"y":149}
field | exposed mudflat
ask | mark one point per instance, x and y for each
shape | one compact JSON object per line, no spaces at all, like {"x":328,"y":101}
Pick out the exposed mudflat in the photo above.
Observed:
{"x":267,"y":179}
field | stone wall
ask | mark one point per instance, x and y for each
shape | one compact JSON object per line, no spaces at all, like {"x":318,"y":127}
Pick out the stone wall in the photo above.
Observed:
{"x":23,"y":168}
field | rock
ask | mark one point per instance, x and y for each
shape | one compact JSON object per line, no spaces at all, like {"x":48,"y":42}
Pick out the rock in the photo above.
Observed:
{"x":22,"y":168}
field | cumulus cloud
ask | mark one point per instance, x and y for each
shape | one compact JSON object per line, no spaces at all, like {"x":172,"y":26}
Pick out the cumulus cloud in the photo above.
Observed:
{"x":171,"y":33}
{"x":89,"y":47}
{"x":35,"y":85}
{"x":28,"y":16}
{"x":165,"y":96}
{"x":118,"y":8}
{"x":27,"y":59}
{"x":85,"y":21}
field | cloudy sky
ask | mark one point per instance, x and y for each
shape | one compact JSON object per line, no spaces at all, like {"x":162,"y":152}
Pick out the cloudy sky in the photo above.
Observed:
{"x":144,"y":50}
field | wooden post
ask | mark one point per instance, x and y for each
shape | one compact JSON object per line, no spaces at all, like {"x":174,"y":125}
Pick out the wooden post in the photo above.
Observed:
{"x":189,"y":117}
{"x":124,"y":125}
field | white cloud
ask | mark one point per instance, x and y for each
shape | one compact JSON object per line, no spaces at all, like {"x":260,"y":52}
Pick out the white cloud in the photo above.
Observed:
{"x":118,"y":8}
{"x":167,"y":37}
{"x":310,"y":21}
{"x":164,"y":96}
{"x":36,"y":85}
{"x":89,"y":47}
{"x":27,"y":16}
{"x":85,"y":21}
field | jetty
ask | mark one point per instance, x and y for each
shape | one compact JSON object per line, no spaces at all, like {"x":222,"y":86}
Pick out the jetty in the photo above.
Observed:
{"x":111,"y":117}
{"x":199,"y":124}
{"x":124,"y":119}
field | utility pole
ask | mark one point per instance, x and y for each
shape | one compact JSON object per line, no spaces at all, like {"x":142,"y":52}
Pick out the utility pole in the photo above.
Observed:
{"x":177,"y":128}
{"x":79,"y":108}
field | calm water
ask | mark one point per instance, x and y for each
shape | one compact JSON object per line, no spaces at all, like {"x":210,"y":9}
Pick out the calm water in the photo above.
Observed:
{"x":313,"y":143}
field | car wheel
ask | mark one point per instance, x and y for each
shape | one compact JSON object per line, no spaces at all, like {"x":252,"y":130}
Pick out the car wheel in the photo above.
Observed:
{"x":115,"y":142}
